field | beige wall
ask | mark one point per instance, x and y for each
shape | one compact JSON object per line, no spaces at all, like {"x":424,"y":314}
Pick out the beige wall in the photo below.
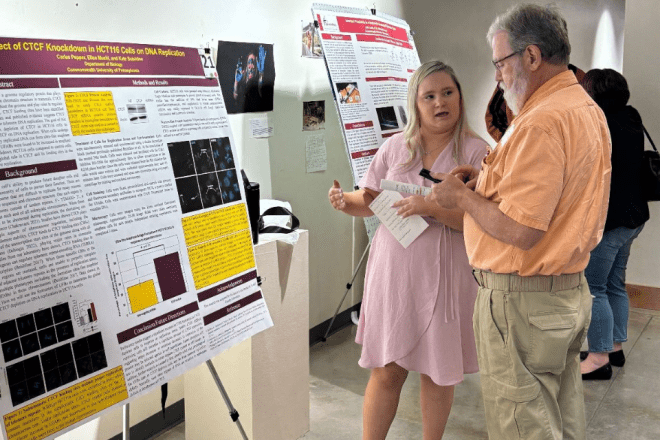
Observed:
{"x":641,"y":64}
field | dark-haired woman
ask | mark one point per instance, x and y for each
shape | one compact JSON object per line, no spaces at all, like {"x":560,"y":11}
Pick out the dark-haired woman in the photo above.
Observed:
{"x":626,"y":215}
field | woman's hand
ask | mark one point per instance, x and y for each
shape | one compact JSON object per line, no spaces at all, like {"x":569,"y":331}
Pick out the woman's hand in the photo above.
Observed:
{"x":336,"y":197}
{"x":413,"y":205}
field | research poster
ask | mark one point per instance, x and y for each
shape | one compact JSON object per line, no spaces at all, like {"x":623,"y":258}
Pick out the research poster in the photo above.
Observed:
{"x":125,"y":249}
{"x":370,"y":58}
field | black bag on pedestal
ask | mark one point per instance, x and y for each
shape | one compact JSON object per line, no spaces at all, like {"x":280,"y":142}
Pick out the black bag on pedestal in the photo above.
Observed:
{"x":252,"y":201}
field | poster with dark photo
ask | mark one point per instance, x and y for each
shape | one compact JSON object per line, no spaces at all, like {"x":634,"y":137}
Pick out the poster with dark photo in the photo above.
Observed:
{"x":189,"y":194}
{"x":313,"y":115}
{"x":202,"y":155}
{"x":181,"y":157}
{"x":387,"y":118}
{"x":222,"y":155}
{"x":210,"y":190}
{"x":247,"y":76}
{"x":229,"y":184}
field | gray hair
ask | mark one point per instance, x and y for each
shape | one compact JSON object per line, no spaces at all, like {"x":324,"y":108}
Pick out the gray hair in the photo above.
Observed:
{"x":542,"y":26}
{"x":411,"y":132}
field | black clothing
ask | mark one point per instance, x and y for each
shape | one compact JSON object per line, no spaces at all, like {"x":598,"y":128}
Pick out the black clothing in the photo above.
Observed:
{"x":627,"y":206}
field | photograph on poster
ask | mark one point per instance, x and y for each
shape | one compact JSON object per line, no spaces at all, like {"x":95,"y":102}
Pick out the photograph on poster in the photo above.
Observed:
{"x":313,"y":115}
{"x":311,"y":43}
{"x":222,"y":155}
{"x":247,"y":76}
{"x":387,"y":118}
{"x":204,"y":172}
{"x":348,"y":93}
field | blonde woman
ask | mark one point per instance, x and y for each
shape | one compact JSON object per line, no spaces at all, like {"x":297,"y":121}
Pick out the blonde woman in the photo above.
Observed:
{"x":417,"y":308}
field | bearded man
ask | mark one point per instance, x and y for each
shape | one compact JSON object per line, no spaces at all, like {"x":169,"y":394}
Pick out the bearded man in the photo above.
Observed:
{"x":538,"y":208}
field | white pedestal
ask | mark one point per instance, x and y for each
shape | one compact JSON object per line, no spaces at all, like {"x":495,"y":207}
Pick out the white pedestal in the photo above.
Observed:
{"x":267,"y":376}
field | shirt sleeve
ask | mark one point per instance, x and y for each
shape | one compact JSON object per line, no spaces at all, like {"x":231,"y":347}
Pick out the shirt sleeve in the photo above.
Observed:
{"x":532,"y":178}
{"x":377,"y":169}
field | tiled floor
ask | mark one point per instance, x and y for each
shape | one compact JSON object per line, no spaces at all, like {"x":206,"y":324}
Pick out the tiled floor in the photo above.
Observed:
{"x":624,"y":408}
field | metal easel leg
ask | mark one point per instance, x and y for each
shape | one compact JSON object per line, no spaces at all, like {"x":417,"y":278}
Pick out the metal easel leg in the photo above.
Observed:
{"x":126,"y":433}
{"x":232,"y":411}
{"x":348,"y":288}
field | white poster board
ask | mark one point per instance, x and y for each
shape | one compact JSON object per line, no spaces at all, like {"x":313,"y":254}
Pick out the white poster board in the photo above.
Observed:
{"x":370,"y":59}
{"x":125,"y":249}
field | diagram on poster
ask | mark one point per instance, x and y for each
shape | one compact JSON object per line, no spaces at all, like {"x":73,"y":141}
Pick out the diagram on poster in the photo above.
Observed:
{"x":370,"y":58}
{"x":125,"y":249}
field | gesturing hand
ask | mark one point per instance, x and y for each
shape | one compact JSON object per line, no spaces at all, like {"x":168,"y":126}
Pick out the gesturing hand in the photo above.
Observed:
{"x":336,"y":197}
{"x":413,"y":205}
{"x":261,"y":62}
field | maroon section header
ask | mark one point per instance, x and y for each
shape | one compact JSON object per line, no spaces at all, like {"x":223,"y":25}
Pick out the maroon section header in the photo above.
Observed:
{"x":27,"y":56}
{"x":219,"y":314}
{"x":386,"y":135}
{"x":356,"y":125}
{"x":364,"y":153}
{"x":29,"y":83}
{"x":217,"y":290}
{"x":157,"y":322}
{"x":336,"y":37}
{"x":385,"y":78}
{"x":378,"y":39}
{"x":37,"y":169}
{"x":135,"y":82}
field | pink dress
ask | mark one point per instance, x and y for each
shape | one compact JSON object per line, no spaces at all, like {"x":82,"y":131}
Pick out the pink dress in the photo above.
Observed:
{"x":418,"y":302}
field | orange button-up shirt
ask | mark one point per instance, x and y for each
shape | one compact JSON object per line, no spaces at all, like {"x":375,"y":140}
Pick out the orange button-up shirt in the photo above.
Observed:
{"x":551,"y":171}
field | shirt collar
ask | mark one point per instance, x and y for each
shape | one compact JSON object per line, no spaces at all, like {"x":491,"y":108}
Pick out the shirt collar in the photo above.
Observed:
{"x":554,"y":84}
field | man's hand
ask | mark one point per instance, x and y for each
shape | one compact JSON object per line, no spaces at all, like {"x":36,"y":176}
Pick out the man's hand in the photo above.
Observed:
{"x":447,"y":193}
{"x":468,"y":174}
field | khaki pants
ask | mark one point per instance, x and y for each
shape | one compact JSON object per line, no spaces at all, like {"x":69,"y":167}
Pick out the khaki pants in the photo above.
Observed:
{"x":529,"y":331}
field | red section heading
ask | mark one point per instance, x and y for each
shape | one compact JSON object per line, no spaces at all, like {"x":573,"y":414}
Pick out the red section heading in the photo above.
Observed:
{"x":319,"y":21}
{"x":217,"y":290}
{"x":336,"y":37}
{"x":37,"y":169}
{"x":379,"y":39}
{"x":72,"y":57}
{"x":364,"y":153}
{"x":142,"y":82}
{"x":386,"y":78}
{"x":157,"y":322}
{"x":356,"y":125}
{"x":369,"y":26}
{"x":219,"y":314}
{"x":386,"y":135}
{"x":29,"y":83}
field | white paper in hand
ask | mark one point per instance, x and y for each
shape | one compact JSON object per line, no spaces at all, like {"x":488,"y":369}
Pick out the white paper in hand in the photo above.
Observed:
{"x":405,"y":230}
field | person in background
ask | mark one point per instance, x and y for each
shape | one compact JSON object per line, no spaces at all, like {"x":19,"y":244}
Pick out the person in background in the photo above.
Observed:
{"x":626,"y":214}
{"x":418,"y":301}
{"x":537,"y":211}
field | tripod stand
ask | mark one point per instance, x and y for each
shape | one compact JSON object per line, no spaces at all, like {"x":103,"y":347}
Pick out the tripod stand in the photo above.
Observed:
{"x":232,"y":411}
{"x":348,"y":288}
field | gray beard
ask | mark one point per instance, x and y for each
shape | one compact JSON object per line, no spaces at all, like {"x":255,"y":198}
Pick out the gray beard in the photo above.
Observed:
{"x":514,"y":94}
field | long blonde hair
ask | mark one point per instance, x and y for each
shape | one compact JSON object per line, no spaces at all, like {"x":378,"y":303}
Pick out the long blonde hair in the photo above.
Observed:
{"x":411,"y":131}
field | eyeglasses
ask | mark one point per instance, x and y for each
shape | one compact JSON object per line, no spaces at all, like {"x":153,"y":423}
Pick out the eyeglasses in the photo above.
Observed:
{"x":498,"y":63}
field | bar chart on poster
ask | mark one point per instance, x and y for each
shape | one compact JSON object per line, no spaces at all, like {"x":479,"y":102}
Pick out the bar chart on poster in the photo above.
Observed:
{"x":150,"y":272}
